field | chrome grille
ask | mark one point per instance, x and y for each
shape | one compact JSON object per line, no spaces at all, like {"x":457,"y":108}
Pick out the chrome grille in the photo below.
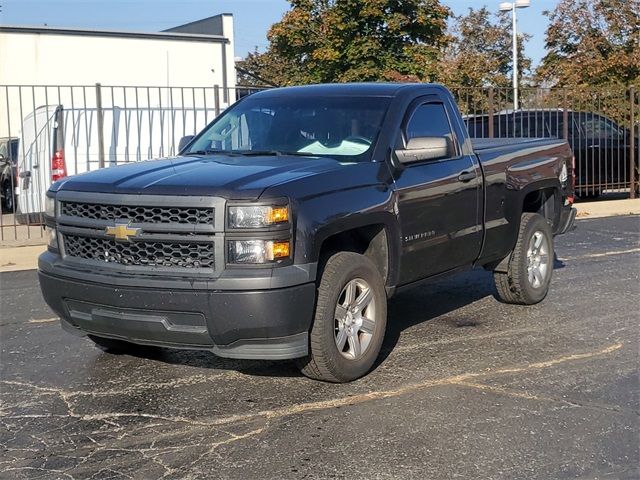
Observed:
{"x":141,"y":253}
{"x":140,"y":214}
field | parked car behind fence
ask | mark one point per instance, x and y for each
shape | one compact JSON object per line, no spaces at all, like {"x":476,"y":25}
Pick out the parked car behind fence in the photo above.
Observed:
{"x":602,"y":148}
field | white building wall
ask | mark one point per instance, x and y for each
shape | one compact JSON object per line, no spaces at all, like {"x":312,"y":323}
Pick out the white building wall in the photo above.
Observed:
{"x":55,"y":59}
{"x":86,"y":59}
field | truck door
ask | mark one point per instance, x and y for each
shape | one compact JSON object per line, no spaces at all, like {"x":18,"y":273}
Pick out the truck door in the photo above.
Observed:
{"x":439,"y":201}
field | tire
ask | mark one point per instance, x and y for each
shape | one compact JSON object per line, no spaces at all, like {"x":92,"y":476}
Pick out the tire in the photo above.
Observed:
{"x":531,"y":264}
{"x":111,"y":345}
{"x":7,"y":198}
{"x":346,"y":279}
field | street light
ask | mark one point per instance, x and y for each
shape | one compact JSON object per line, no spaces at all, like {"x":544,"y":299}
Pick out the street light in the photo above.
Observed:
{"x":505,"y":7}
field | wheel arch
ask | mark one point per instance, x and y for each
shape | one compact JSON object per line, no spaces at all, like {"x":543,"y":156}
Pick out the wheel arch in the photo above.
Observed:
{"x":543,"y":197}
{"x":375,"y":238}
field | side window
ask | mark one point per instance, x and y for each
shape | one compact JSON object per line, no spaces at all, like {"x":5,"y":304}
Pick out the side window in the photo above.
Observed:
{"x":428,"y":120}
{"x":598,"y":127}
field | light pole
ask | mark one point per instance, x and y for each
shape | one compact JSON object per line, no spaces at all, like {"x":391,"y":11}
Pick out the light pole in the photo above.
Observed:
{"x":505,"y":7}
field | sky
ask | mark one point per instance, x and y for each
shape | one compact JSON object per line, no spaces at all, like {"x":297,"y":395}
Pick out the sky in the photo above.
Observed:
{"x":252,"y":18}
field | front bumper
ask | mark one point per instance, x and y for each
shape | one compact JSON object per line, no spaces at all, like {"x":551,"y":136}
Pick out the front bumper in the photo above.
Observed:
{"x":270,"y":323}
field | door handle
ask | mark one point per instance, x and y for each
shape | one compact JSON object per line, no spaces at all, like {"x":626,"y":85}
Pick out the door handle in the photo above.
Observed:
{"x":466,"y":176}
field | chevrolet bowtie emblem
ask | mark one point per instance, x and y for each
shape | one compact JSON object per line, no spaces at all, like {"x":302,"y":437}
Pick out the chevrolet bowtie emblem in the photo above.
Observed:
{"x":122,"y":231}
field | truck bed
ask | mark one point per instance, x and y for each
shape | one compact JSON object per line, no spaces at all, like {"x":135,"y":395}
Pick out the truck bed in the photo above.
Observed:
{"x":480,"y":144}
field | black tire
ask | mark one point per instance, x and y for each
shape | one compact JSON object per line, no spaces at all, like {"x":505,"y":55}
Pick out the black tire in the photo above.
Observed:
{"x":118,"y":347}
{"x":516,"y":286}
{"x":325,"y":361}
{"x":7,"y":198}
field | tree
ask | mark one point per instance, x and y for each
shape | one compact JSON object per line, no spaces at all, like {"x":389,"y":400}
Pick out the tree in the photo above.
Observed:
{"x":479,"y":55}
{"x":353,"y":40}
{"x":592,"y":43}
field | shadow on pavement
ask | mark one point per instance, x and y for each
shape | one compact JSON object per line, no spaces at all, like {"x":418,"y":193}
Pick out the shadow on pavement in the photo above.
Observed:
{"x":418,"y":305}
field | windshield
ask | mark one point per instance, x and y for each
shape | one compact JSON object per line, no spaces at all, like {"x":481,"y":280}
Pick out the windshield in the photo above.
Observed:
{"x":345,"y":127}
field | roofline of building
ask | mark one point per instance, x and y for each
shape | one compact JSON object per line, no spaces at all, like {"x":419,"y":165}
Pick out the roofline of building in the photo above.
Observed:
{"x":189,"y":37}
{"x":198,"y":21}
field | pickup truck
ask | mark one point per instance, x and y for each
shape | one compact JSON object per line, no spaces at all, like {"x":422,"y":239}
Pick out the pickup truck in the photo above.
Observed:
{"x":280,"y":231}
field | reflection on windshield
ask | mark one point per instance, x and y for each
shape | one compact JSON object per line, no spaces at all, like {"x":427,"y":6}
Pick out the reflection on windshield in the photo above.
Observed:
{"x":345,"y":147}
{"x":318,"y":126}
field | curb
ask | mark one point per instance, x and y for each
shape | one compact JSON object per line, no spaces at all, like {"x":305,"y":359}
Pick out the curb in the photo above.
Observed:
{"x":20,"y":258}
{"x":607,"y":208}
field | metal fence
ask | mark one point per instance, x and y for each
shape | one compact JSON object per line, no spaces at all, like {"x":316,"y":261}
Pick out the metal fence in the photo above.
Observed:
{"x":103,"y":126}
{"x":601,"y":125}
{"x":111,"y":125}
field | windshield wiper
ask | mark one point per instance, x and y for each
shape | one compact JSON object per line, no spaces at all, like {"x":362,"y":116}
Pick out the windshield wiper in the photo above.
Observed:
{"x":209,"y":152}
{"x":272,"y":153}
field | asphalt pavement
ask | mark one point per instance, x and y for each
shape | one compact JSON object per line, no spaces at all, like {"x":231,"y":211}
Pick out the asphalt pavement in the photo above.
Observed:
{"x":466,"y":387}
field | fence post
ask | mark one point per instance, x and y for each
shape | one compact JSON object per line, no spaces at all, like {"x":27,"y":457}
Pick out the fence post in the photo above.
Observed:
{"x":632,"y":156}
{"x":490,"y":119}
{"x":216,"y":97}
{"x":565,"y":116}
{"x":100,"y":125}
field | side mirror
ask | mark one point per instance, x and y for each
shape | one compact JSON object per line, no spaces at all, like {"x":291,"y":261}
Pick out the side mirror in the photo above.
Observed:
{"x":424,"y":148}
{"x":184,"y":141}
{"x":1,"y":157}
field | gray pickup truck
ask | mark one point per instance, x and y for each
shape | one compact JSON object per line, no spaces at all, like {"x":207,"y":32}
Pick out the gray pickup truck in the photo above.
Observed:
{"x":280,"y":231}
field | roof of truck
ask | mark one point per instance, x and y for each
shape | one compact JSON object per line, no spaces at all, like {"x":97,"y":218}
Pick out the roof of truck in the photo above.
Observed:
{"x":374,"y":89}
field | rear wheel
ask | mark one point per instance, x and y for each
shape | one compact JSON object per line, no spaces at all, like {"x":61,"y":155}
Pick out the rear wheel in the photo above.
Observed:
{"x":530,"y":267}
{"x":350,"y":320}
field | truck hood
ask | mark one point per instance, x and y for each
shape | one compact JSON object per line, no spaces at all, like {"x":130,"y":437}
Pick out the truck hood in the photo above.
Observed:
{"x":225,"y":176}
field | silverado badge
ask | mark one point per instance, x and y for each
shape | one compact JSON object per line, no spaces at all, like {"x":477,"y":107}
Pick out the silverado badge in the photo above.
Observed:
{"x":122,"y":231}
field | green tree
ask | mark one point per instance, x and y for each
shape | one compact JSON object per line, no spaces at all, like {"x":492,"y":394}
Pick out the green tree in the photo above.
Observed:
{"x":353,"y":40}
{"x":480,"y":51}
{"x":478,"y":55}
{"x":592,"y":43}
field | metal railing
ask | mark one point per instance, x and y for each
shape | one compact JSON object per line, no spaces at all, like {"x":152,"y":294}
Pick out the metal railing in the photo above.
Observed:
{"x":601,"y":125}
{"x":111,"y":125}
{"x":103,"y":126}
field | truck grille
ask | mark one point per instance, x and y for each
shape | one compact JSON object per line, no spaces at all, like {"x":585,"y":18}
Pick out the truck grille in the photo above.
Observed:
{"x":152,"y":254}
{"x":137,"y":214}
{"x":142,"y":233}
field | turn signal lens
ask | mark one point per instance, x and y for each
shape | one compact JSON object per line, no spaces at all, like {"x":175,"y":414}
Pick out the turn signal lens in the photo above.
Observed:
{"x":257,"y":251}
{"x":280,"y":250}
{"x":278,"y":214}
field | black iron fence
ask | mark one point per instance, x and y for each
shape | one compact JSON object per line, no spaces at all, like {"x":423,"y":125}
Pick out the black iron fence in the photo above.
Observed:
{"x":110,"y":125}
{"x":601,"y":125}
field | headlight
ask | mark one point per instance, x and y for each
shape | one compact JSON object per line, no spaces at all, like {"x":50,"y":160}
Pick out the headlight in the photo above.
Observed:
{"x":257,"y":216}
{"x":257,"y":251}
{"x":50,"y":206}
{"x":52,"y":237}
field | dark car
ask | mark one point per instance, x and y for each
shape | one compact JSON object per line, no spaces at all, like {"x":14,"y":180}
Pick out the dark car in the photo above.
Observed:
{"x":8,"y":172}
{"x":602,"y":148}
{"x":281,"y":229}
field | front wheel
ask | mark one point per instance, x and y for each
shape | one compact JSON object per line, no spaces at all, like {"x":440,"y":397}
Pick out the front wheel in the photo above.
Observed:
{"x":350,"y":320}
{"x":528,"y":275}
